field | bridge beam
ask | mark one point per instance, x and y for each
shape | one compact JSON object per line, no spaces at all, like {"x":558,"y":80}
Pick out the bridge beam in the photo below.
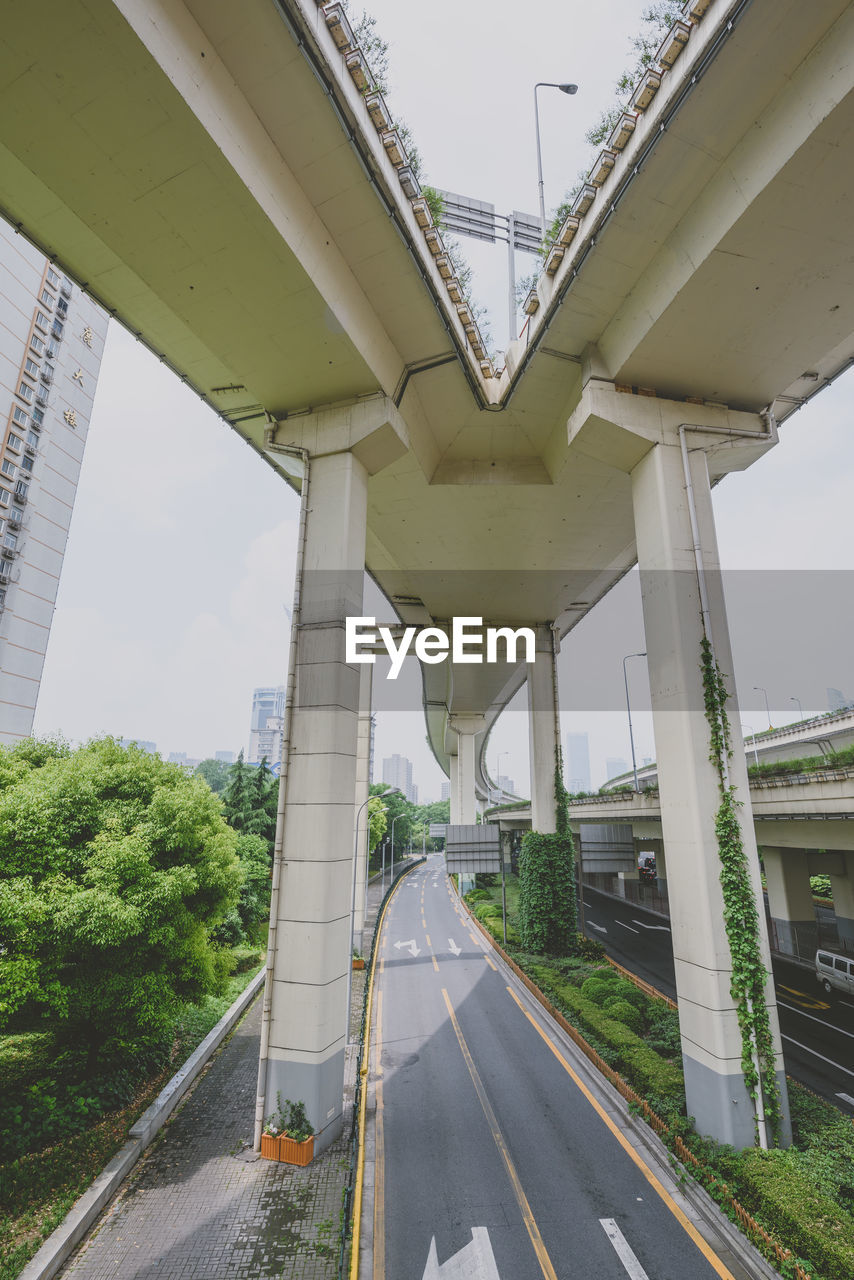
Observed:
{"x":311,"y":956}
{"x":711,"y":1038}
{"x":543,"y":729}
{"x":842,"y":887}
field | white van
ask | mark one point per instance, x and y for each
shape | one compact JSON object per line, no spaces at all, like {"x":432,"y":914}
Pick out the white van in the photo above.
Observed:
{"x":834,"y":972}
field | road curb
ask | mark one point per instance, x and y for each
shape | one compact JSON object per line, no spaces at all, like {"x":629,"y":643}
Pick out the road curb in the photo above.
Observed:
{"x":80,"y":1217}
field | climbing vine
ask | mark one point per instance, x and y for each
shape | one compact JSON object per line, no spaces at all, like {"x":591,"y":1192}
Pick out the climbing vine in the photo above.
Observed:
{"x":546,"y":912}
{"x":741,"y":918}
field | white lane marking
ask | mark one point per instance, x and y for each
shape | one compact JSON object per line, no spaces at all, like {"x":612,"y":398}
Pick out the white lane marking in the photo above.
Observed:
{"x":475,"y":1262}
{"x":594,"y":925}
{"x":410,"y":947}
{"x":625,"y":926}
{"x":846,"y":1097}
{"x":453,"y":946}
{"x":831,"y":1025}
{"x":663,"y":927}
{"x":622,"y":1249}
{"x":816,"y":1054}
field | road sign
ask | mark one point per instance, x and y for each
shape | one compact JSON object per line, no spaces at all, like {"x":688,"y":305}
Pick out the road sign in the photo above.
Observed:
{"x":437,"y":830}
{"x":473,"y":849}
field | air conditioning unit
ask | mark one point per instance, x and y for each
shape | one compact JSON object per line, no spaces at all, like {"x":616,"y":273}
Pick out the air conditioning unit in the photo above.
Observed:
{"x":30,"y":449}
{"x":13,"y":522}
{"x":41,"y":395}
{"x":9,"y":553}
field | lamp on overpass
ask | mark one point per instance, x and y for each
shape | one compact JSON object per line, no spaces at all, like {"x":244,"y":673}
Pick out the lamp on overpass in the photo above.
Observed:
{"x":759,"y":689}
{"x":564,"y":88}
{"x":800,"y":708}
{"x":629,"y":713}
{"x":755,"y":752}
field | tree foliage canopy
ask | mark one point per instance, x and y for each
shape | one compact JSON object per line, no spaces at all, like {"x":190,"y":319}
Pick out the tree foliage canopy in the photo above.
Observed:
{"x":115,"y":868}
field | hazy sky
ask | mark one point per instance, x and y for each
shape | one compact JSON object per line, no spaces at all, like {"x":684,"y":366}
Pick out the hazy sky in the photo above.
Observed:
{"x":179,"y":568}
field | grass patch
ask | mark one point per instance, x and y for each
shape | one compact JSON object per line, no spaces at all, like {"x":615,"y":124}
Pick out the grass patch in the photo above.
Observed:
{"x":38,"y":1187}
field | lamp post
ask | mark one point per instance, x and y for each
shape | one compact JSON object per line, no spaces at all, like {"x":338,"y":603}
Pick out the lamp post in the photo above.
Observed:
{"x":753,"y":743}
{"x":800,"y":708}
{"x":353,"y":901}
{"x":759,"y":689}
{"x":498,"y":773}
{"x":629,"y":713}
{"x":393,"y":821}
{"x":564,"y":88}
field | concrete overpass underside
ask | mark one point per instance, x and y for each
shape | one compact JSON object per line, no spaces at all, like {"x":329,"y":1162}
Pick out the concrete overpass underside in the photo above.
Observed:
{"x":214,"y":175}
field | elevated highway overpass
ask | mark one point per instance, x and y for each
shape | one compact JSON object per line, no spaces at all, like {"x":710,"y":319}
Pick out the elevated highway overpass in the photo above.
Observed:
{"x":217,"y":178}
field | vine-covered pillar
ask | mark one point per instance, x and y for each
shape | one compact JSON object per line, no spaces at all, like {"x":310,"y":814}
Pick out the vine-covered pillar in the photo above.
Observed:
{"x":714,"y":1050}
{"x":543,"y":729}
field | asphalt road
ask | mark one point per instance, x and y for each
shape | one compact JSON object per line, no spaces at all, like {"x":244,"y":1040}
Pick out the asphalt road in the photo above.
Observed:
{"x":817,"y":1030}
{"x":492,"y":1162}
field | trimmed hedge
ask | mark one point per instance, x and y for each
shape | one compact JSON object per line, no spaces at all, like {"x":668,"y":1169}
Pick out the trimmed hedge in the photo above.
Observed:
{"x":646,"y":1071}
{"x":796,"y":1211}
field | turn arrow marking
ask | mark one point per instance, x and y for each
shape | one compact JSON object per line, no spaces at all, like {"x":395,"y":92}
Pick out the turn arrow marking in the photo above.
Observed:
{"x":456,"y":950}
{"x":410,"y":947}
{"x":475,"y":1262}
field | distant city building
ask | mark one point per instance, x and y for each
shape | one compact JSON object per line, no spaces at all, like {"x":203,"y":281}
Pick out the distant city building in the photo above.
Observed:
{"x":181,"y":757}
{"x":225,"y":757}
{"x":150,"y":747}
{"x":445,"y":793}
{"x":397,"y":772}
{"x":837,"y":700}
{"x":615,"y":766}
{"x":506,"y":784}
{"x":51,"y":342}
{"x":266,"y":724}
{"x":577,"y":762}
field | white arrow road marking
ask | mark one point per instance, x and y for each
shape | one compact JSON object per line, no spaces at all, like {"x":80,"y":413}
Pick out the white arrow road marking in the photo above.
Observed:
{"x":475,"y":1262}
{"x":846,"y":1097}
{"x":410,"y":946}
{"x":622,"y":1250}
{"x":594,"y":925}
{"x":625,"y":926}
{"x":456,"y":950}
{"x":663,"y":927}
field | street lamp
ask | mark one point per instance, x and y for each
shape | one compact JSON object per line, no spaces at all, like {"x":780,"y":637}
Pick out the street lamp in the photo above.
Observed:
{"x":353,"y":897}
{"x":759,"y":689}
{"x":629,"y":713}
{"x":753,"y":743}
{"x":564,"y":88}
{"x":498,"y":772}
{"x":393,"y":821}
{"x":800,"y":708}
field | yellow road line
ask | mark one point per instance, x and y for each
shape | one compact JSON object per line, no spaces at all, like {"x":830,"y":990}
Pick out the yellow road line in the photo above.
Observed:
{"x":427,"y":936}
{"x":703,"y":1245}
{"x":474,"y":937}
{"x":492,"y":966}
{"x":435,"y":964}
{"x":379,"y":1162}
{"x":521,"y":1199}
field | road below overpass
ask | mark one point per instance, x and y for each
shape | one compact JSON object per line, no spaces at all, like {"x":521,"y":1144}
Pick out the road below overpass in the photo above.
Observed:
{"x":494,"y":1160}
{"x":817,"y":1030}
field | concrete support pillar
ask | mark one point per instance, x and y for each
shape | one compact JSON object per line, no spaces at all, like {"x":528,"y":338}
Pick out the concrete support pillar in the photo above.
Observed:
{"x":465,"y":771}
{"x":454,"y":779}
{"x":787,"y":878}
{"x":842,"y":887}
{"x":711,"y":1038}
{"x":543,"y":730}
{"x":363,"y":786}
{"x":308,"y":1016}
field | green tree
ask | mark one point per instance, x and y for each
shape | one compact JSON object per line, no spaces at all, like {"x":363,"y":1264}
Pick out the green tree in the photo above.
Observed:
{"x":236,"y":801}
{"x":215,"y":774}
{"x":115,"y":869}
{"x":378,"y":820}
{"x":263,"y":793}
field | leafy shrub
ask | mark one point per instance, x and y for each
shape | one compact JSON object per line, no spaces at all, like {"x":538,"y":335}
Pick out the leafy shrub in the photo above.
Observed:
{"x":597,"y":990}
{"x":624,"y":1012}
{"x":547,"y":893}
{"x":810,"y":1222}
{"x":663,"y":1034}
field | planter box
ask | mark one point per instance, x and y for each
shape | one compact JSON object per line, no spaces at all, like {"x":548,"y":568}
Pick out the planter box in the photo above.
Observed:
{"x":358,"y":963}
{"x":284,"y":1149}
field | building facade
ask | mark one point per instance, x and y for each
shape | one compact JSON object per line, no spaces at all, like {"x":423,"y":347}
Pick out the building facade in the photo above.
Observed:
{"x":51,"y":342}
{"x":397,"y":772}
{"x":577,"y":763}
{"x":266,"y":724}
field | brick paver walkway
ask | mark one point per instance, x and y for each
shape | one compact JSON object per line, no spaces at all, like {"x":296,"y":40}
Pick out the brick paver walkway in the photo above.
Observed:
{"x":201,"y":1206}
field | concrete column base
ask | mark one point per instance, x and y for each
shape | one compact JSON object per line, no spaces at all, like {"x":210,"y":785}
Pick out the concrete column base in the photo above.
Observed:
{"x":722,"y":1107}
{"x":312,"y":1083}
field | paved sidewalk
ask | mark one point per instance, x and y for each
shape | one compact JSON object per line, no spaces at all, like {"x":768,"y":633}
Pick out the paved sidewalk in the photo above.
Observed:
{"x":201,"y":1206}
